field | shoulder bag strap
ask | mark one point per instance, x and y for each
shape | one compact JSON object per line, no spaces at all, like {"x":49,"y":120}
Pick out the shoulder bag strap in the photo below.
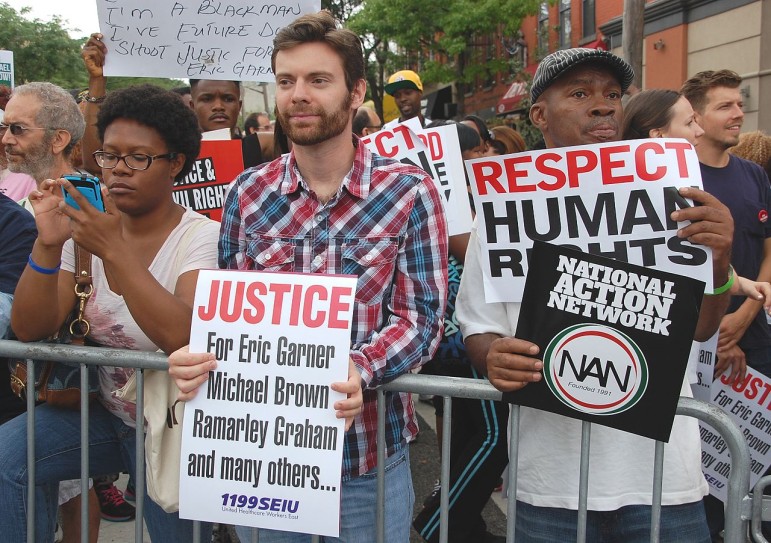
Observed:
{"x":79,"y":326}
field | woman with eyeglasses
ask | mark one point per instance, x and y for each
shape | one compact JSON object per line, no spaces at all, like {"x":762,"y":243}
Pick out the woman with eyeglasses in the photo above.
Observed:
{"x":147,"y":251}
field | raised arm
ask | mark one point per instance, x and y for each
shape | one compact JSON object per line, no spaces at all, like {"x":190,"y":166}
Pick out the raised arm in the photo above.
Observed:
{"x":93,"y":54}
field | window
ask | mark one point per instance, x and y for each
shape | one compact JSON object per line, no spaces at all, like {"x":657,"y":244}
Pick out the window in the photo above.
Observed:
{"x":543,"y":30}
{"x":588,"y":29}
{"x":564,"y":23}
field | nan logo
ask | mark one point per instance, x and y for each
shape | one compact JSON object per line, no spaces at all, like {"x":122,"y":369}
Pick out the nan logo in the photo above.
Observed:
{"x":595,"y":369}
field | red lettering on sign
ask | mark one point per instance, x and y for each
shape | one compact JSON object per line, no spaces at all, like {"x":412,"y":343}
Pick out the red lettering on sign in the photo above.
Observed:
{"x":680,"y":149}
{"x":513,"y":174}
{"x":608,"y":165}
{"x":488,"y":173}
{"x":339,"y":305}
{"x":641,"y":162}
{"x":574,"y":169}
{"x":559,"y":176}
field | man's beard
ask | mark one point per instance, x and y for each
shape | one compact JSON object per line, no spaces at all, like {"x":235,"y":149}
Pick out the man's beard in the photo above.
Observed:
{"x":37,"y":162}
{"x":330,"y":125}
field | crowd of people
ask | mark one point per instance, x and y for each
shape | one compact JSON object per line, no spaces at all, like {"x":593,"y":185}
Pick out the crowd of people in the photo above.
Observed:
{"x":420,"y":302}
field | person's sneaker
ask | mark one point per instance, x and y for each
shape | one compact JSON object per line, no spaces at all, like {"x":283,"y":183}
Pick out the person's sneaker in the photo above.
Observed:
{"x":112,"y":505}
{"x":130,"y":493}
{"x":434,"y":492}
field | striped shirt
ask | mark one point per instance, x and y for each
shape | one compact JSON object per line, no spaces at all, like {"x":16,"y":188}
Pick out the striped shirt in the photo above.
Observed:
{"x":386,"y":225}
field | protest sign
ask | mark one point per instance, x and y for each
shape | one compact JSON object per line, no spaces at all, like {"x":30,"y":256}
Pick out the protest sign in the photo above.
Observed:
{"x":612,"y":199}
{"x":204,"y":189}
{"x":204,"y":39}
{"x":6,"y":68}
{"x":437,"y":152}
{"x":261,"y":445}
{"x":748,"y":403}
{"x":614,"y":339}
{"x":703,"y":359}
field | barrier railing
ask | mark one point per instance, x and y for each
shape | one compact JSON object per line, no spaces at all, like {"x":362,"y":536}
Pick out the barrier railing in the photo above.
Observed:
{"x":738,"y":507}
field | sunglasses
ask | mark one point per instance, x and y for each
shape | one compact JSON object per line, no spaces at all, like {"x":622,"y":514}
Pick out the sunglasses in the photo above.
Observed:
{"x":18,"y":129}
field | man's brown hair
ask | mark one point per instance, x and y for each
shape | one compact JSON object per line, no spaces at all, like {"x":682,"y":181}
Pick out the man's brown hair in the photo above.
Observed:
{"x":322,"y":27}
{"x":696,"y":88}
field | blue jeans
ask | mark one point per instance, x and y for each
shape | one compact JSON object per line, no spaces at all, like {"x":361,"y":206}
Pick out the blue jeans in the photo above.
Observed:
{"x":631,"y":524}
{"x":358,"y":505}
{"x":57,"y":458}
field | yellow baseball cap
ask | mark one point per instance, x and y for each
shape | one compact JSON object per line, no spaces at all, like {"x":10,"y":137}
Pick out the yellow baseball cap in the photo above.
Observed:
{"x":404,"y":79}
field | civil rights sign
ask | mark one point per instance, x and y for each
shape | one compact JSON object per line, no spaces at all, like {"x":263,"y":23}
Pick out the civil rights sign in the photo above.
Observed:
{"x":204,"y":189}
{"x":611,"y":199}
{"x":614,"y":339}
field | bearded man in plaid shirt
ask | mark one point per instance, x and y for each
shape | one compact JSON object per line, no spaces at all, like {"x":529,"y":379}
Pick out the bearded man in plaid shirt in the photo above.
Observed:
{"x":332,"y":207}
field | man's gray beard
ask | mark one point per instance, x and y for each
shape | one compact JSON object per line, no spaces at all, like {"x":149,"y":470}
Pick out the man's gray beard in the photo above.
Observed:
{"x":38,"y":167}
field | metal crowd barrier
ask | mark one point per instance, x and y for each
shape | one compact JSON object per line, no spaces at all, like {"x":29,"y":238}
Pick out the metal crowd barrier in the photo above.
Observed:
{"x":740,"y":507}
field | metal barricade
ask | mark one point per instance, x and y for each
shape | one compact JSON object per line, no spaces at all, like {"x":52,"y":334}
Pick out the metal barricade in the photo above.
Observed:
{"x":761,"y":509}
{"x":738,"y":508}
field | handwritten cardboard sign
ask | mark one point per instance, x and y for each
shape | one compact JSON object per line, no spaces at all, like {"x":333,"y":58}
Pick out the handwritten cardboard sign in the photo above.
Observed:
{"x":261,"y":445}
{"x":615,"y":339}
{"x":611,"y":199}
{"x":437,"y":152}
{"x":204,"y":39}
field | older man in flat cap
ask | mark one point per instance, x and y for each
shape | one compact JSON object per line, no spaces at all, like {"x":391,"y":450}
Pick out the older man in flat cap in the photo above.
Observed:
{"x":576,"y":95}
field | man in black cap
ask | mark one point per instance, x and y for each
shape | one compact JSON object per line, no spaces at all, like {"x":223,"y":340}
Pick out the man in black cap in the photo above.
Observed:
{"x":576,"y":95}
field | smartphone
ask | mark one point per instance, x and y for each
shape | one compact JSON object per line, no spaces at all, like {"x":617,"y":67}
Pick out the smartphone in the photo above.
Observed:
{"x":88,"y":186}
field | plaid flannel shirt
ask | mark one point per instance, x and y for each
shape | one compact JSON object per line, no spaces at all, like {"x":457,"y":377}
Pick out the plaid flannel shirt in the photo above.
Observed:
{"x":386,"y":225}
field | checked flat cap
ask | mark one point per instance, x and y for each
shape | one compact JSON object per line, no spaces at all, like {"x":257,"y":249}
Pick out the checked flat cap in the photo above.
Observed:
{"x":559,"y":62}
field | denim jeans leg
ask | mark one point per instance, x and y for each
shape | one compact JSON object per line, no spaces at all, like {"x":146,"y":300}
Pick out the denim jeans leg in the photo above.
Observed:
{"x":57,"y":457}
{"x":631,"y":524}
{"x":685,"y":523}
{"x":161,"y":526}
{"x":358,"y":508}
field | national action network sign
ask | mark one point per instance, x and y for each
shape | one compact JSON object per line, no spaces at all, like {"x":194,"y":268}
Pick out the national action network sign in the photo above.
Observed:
{"x":615,"y":339}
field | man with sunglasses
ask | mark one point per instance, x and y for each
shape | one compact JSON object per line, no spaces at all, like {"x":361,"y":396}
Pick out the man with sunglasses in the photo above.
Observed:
{"x":42,"y":125}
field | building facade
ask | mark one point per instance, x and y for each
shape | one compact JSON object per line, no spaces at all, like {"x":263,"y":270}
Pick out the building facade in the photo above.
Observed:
{"x":681,"y":37}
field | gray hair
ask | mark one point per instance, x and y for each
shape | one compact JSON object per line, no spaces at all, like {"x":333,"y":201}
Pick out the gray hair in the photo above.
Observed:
{"x":58,"y":109}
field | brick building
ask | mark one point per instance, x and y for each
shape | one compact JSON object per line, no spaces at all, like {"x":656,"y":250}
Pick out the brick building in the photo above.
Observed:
{"x":681,"y":37}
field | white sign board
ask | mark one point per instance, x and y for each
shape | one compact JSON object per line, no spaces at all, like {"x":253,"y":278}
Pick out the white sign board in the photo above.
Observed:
{"x":437,"y":152}
{"x":204,"y":39}
{"x":6,"y":68}
{"x":610,"y":199}
{"x":701,"y":368}
{"x":261,"y":445}
{"x":748,"y":404}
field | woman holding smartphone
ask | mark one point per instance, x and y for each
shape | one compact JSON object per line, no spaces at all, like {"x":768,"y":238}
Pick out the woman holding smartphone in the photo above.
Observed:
{"x":147,"y":251}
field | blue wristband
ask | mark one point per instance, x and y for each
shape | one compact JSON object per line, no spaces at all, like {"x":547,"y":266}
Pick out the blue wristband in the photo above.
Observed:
{"x":41,"y":269}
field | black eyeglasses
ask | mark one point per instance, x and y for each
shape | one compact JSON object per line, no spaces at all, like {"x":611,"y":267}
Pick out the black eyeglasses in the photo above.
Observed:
{"x":135,"y":161}
{"x":18,"y":129}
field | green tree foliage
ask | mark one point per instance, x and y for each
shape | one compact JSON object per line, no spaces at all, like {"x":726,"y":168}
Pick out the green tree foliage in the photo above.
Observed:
{"x":44,"y":51}
{"x":446,"y":38}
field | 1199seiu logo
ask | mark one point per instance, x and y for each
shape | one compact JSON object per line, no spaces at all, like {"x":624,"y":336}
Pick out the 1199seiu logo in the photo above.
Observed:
{"x":595,"y":369}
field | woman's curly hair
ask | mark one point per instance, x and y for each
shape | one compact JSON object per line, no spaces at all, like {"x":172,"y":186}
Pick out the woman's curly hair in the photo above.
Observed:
{"x":754,"y":146}
{"x":160,"y":110}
